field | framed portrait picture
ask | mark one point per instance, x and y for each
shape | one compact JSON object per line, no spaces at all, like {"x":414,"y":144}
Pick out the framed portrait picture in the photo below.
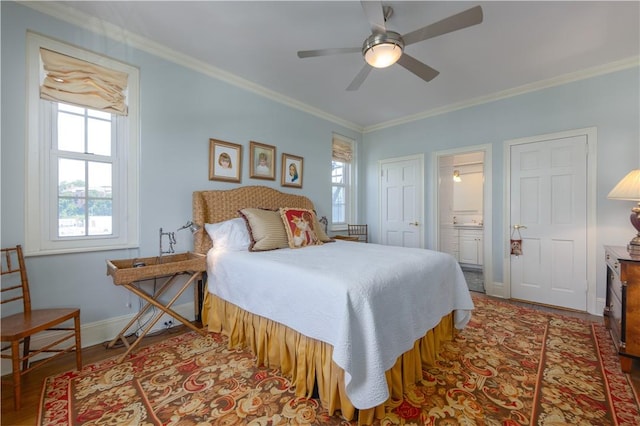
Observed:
{"x":262,"y":162}
{"x":225,"y":161}
{"x":292,"y":169}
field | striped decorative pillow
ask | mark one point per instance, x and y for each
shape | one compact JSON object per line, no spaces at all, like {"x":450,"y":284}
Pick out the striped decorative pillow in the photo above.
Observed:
{"x":265,"y":228}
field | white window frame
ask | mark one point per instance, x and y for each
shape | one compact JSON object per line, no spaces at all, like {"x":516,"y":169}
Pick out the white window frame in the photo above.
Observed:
{"x":349,"y":188}
{"x":41,"y":192}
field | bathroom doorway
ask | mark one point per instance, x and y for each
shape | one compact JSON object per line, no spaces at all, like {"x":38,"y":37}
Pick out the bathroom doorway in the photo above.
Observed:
{"x":462,"y":210}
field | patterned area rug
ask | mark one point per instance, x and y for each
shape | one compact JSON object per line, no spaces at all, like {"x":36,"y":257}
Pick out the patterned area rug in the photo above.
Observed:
{"x":510,"y":366}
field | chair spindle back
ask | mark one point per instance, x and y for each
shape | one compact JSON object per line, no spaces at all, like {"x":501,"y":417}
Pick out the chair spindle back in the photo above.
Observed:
{"x":15,"y":285}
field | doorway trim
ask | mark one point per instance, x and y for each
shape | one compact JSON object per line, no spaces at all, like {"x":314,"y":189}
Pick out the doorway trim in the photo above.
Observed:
{"x":487,"y":206}
{"x":592,"y":141}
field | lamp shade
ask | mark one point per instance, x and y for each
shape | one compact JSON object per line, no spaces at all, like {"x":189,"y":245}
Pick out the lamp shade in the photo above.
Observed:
{"x":381,"y":50}
{"x":628,"y":188}
{"x":383,"y":55}
{"x":193,"y":227}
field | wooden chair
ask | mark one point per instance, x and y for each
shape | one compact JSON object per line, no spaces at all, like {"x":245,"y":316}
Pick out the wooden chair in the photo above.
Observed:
{"x":360,"y":231}
{"x":24,"y":322}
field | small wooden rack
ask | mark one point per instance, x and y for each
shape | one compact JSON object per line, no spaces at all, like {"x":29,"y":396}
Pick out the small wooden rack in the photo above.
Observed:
{"x":128,"y":272}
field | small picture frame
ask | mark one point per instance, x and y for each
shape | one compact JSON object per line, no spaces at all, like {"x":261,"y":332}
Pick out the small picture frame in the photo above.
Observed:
{"x":262,"y":161}
{"x":225,"y":161}
{"x":292,"y":169}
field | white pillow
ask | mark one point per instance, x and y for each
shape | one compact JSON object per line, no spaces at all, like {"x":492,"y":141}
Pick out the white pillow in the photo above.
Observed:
{"x":231,"y":234}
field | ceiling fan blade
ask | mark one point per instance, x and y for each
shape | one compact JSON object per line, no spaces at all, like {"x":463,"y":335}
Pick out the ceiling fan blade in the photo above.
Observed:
{"x":375,"y":15}
{"x":364,"y":72}
{"x":326,"y":52}
{"x":423,"y":71}
{"x":455,"y":22}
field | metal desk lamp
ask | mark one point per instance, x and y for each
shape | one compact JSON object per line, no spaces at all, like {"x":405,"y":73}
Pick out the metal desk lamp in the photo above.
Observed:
{"x":172,"y":237}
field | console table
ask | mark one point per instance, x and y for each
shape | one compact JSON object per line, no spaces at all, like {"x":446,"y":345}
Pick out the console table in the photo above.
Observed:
{"x":128,"y":272}
{"x":622,"y":309}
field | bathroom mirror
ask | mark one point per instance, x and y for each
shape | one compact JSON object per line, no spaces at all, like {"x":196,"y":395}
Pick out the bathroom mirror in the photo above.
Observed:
{"x":467,"y":194}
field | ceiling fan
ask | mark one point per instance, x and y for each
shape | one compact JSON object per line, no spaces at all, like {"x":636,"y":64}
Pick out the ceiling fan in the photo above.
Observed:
{"x":384,"y":48}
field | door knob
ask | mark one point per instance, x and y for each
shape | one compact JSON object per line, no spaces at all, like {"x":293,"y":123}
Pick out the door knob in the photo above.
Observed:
{"x":516,"y":227}
{"x":414,"y":223}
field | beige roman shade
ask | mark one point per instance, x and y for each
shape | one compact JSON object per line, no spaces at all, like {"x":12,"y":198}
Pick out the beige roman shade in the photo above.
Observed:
{"x":74,"y":81}
{"x":341,"y":151}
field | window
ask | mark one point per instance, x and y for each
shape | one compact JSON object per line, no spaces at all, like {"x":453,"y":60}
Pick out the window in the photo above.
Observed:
{"x":341,"y":182}
{"x":82,"y":161}
{"x":81,"y":148}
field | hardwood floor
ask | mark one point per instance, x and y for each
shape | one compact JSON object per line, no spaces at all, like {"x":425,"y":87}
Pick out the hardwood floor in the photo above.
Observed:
{"x":32,"y":383}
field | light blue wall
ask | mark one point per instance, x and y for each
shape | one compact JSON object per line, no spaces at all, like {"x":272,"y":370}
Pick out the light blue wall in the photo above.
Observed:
{"x":180,"y":110}
{"x":610,"y":102}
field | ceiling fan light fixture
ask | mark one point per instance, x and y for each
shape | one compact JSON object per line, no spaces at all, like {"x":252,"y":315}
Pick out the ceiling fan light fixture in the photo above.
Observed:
{"x":383,"y":50}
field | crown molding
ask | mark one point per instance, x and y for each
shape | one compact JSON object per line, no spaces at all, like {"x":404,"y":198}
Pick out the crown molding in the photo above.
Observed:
{"x":114,"y":32}
{"x":623,"y":64}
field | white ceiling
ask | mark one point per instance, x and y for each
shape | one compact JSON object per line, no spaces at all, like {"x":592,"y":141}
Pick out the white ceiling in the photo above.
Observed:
{"x":517,"y":44}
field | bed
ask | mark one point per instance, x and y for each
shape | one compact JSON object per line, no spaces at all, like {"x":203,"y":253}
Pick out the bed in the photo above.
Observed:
{"x":330,"y":315}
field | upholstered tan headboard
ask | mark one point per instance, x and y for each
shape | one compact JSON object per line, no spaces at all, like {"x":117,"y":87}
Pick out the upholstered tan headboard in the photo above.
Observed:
{"x":218,"y":205}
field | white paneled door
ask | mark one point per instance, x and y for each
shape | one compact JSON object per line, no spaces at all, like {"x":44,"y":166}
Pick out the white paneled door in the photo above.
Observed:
{"x":548,"y":200}
{"x":401,"y":202}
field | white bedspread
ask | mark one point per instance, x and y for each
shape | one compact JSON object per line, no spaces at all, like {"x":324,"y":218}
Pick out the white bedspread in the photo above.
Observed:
{"x":370,"y":302}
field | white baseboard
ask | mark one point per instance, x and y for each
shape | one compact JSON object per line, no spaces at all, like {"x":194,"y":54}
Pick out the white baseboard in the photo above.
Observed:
{"x":496,"y":289}
{"x":103,"y":331}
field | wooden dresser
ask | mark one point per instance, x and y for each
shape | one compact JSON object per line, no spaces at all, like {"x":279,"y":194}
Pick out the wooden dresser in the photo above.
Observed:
{"x":622,"y":309}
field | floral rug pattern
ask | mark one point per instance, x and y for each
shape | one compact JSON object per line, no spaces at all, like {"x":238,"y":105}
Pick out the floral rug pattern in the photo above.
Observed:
{"x":509,"y":366}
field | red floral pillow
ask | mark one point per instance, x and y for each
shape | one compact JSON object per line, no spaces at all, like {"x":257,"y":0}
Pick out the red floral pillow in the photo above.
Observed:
{"x":300,"y":225}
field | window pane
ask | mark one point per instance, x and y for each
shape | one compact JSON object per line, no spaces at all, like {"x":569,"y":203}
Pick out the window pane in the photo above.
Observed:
{"x":100,"y":217}
{"x":337,"y":172}
{"x":71,"y":201}
{"x":99,"y":114}
{"x":71,"y":213}
{"x":99,"y":180}
{"x":100,"y":203}
{"x":70,"y":132}
{"x":338,"y":214}
{"x":71,"y":177}
{"x":70,"y":108}
{"x":99,"y":137}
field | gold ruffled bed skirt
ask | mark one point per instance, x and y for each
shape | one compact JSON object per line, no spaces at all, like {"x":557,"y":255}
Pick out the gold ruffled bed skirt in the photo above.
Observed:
{"x":308,"y":361}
